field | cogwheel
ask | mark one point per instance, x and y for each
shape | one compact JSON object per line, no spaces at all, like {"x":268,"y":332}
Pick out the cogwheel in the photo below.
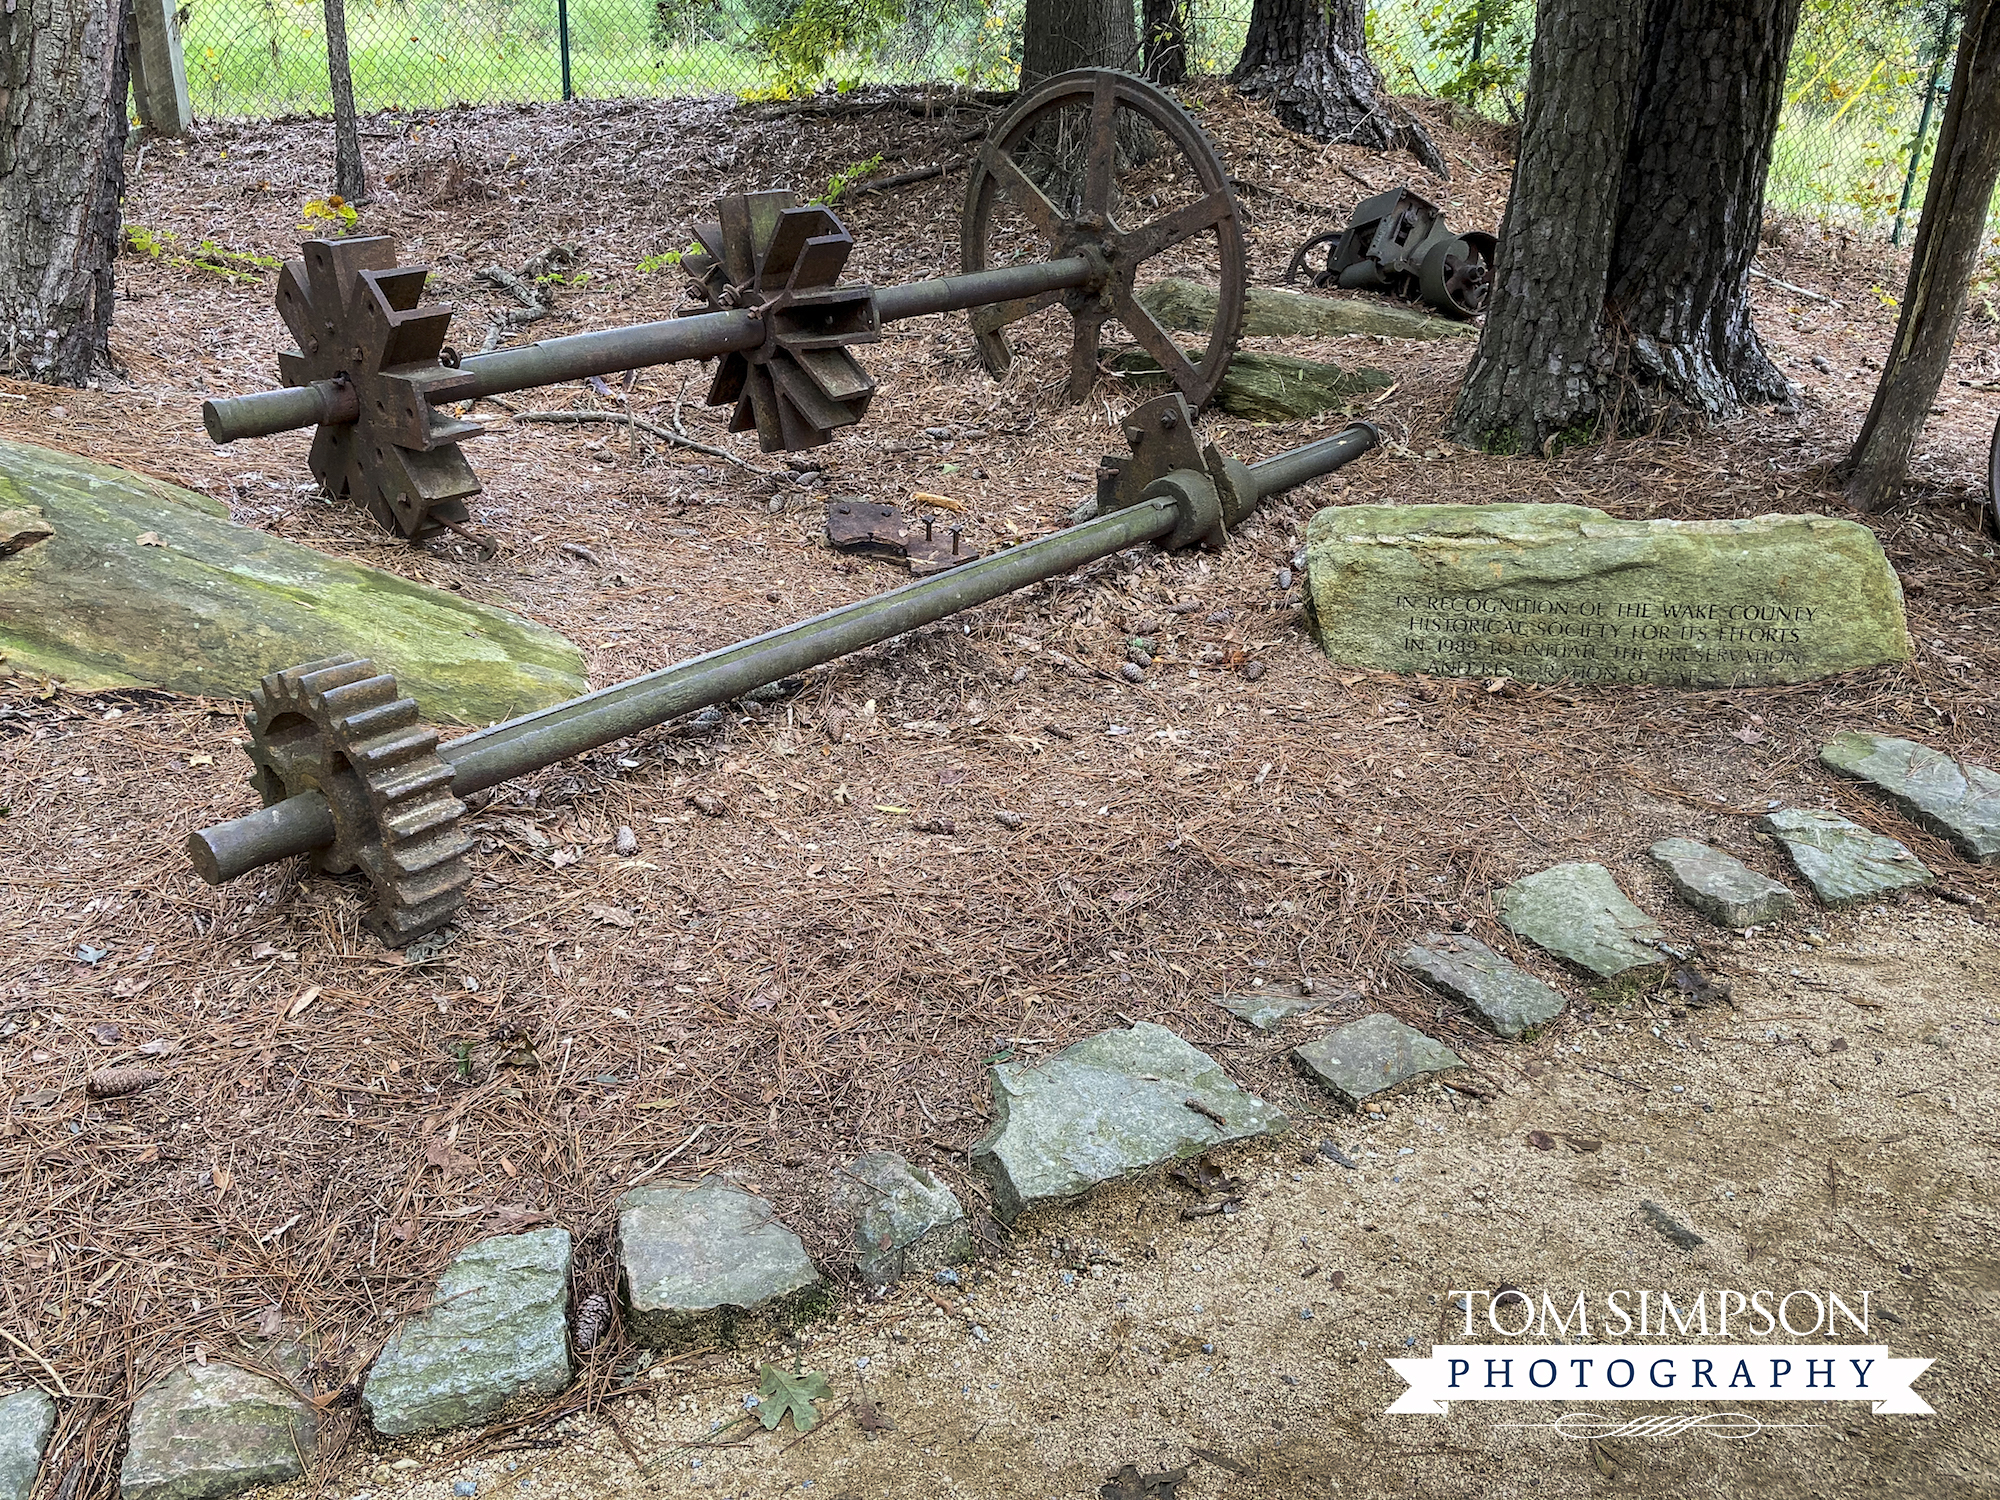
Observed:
{"x":342,"y":729}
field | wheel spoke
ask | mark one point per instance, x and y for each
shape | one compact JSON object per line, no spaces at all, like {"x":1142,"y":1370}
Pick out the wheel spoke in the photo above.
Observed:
{"x":1022,"y":193}
{"x":1000,"y":314}
{"x":1183,"y":223}
{"x":1156,"y":341}
{"x":1083,"y":356}
{"x":1103,"y":146}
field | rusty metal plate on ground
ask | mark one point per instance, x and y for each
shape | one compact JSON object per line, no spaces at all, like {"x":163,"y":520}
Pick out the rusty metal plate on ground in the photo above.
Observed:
{"x":886,"y":531}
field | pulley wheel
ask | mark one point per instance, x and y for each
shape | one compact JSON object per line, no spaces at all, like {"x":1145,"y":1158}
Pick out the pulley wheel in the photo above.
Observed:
{"x":1457,"y":276}
{"x":1103,"y":166}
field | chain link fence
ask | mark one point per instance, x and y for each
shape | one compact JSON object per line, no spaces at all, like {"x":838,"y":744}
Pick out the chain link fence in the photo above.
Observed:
{"x":1862,"y":103}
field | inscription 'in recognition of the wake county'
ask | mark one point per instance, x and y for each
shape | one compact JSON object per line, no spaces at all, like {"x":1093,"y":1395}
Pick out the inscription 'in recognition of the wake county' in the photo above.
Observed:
{"x":1483,"y":635}
{"x":1547,"y":593}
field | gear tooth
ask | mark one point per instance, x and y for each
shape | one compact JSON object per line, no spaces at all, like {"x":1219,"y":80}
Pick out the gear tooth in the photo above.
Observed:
{"x":384,"y":718}
{"x":342,"y":703}
{"x":388,"y":750}
{"x":412,"y":821}
{"x":313,"y":685}
{"x":414,"y":779}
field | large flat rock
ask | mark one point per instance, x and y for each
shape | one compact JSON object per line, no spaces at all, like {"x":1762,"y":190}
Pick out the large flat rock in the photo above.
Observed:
{"x":1720,"y":886}
{"x":693,"y":1259}
{"x":205,"y":1431}
{"x":1577,"y":912}
{"x":906,"y":1221}
{"x":1372,"y":1058}
{"x":1955,"y":798}
{"x":207,"y":608}
{"x":1107,"y":1107}
{"x":1543,"y":593}
{"x":498,"y":1328}
{"x":1841,"y":860}
{"x":26,"y":1420}
{"x":1265,"y":387}
{"x":1507,"y":997}
{"x":1189,"y":307}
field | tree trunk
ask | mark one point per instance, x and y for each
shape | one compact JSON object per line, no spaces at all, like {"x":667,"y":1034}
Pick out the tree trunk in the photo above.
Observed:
{"x":1058,"y":35}
{"x":63,"y":79}
{"x":350,"y":181}
{"x":1311,"y":58}
{"x":1622,"y":293}
{"x":1537,"y":371}
{"x":1964,"y":171}
{"x":1691,"y":209}
{"x":1165,"y":40}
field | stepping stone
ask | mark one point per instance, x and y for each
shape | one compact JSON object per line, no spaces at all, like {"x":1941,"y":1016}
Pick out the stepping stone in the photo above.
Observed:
{"x":1270,"y":1007}
{"x":498,"y":1328}
{"x":1721,"y":887}
{"x":1373,"y":1058}
{"x":1577,"y":912}
{"x":695,"y":1259}
{"x":906,"y":1222}
{"x":26,"y":1420}
{"x":1507,"y":996}
{"x":1954,"y":798}
{"x":1841,"y":860}
{"x":205,"y":1431}
{"x":1106,"y":1107}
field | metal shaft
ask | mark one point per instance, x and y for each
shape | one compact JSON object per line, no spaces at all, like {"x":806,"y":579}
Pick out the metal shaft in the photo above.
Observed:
{"x":980,"y":288}
{"x":304,"y":823}
{"x":638,"y":347}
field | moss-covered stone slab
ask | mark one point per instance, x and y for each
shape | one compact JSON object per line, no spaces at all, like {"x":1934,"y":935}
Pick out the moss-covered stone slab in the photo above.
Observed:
{"x":1955,"y":798}
{"x":1373,"y":1058}
{"x":1109,"y":1106}
{"x":694,"y":1260}
{"x":144,"y":584}
{"x":1577,"y":912}
{"x":26,"y":1420}
{"x":1263,"y":387}
{"x":1546,"y":593}
{"x":1841,"y":860}
{"x":206,"y":1431}
{"x":497,"y":1330}
{"x":1720,"y":886}
{"x":1189,"y":307}
{"x":906,"y":1221}
{"x":1504,"y":995}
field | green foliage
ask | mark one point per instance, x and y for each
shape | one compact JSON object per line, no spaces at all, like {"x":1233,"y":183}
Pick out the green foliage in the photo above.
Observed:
{"x":163,"y":245}
{"x":665,"y":260}
{"x":331,"y":217}
{"x":807,"y":42}
{"x":1481,"y":47}
{"x":793,"y":1391}
{"x":847,"y":177}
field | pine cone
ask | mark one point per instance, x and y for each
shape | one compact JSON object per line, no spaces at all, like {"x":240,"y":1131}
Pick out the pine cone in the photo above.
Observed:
{"x":593,"y":1317}
{"x":109,"y":1083}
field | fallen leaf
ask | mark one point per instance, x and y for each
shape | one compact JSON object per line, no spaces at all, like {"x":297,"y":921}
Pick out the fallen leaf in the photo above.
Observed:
{"x":1748,"y":735}
{"x":441,"y":1155}
{"x":1541,"y":1140}
{"x":39,"y":1098}
{"x":152,"y":539}
{"x":159,"y":1046}
{"x":306,"y":997}
{"x":795,"y":1393}
{"x":224,"y":1180}
{"x":200,"y":1352}
{"x":869,"y":1415}
{"x":104,"y":1033}
{"x":201,"y":760}
{"x":270,"y":1322}
{"x":1129,"y":1484}
{"x":513,"y":1219}
{"x":612,"y":916}
{"x":1583,"y":1143}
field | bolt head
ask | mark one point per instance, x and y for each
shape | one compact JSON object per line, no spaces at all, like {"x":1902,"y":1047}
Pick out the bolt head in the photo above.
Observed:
{"x":1168,"y":421}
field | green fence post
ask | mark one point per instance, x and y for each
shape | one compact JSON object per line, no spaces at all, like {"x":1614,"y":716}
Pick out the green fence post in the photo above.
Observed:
{"x":1923,"y":123}
{"x":562,"y":40}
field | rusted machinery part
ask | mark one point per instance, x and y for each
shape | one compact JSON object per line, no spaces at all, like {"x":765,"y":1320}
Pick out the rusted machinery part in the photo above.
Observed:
{"x":342,"y":729}
{"x":1324,"y":275}
{"x":349,"y":778}
{"x":1456,"y":275}
{"x":767,"y":254}
{"x":1092,"y":228}
{"x":370,"y":347}
{"x":1398,"y":243}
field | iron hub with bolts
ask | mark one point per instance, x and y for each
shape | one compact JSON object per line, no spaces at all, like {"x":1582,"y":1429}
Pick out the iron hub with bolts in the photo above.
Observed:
{"x":1103,"y":166}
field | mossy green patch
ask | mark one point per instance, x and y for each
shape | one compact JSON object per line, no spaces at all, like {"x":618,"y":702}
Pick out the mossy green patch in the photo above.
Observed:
{"x":145,"y":584}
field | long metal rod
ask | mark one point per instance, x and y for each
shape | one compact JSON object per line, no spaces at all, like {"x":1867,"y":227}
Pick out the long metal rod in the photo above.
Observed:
{"x":980,"y":288}
{"x":638,"y":347}
{"x":304,"y":823}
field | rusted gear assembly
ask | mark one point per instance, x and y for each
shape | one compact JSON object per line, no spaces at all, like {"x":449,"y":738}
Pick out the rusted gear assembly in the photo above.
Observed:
{"x":1136,"y":186}
{"x":341,"y":729}
{"x":1398,"y":242}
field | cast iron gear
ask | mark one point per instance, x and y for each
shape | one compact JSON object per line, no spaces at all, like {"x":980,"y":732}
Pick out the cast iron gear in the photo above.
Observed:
{"x":341,"y":728}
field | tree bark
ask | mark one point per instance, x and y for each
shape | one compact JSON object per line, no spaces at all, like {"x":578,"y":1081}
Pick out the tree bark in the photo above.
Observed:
{"x":1537,"y":373}
{"x":350,"y":179}
{"x":1964,"y":171}
{"x":1691,"y":207}
{"x":1059,"y":35}
{"x":1164,"y":42}
{"x":1311,"y":58}
{"x":1622,"y":293}
{"x":64,"y":77}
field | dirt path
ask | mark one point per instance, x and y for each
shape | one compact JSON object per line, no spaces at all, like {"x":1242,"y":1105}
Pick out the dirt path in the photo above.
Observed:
{"x":1833,"y":1130}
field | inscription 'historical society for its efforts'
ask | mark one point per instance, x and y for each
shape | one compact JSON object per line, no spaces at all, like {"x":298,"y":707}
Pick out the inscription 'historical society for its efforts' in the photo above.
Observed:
{"x":1495,"y":635}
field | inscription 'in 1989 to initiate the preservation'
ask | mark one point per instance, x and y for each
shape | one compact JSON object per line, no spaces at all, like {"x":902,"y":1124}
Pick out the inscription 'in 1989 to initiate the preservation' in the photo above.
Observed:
{"x":1519,"y":635}
{"x":1547,"y":593}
